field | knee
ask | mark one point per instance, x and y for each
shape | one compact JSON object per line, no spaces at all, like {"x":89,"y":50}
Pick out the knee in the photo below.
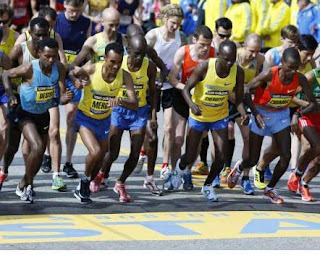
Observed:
{"x":95,"y":152}
{"x":231,"y":130}
{"x":168,"y":130}
{"x":113,"y":156}
{"x":178,"y":141}
{"x":71,"y":116}
{"x":37,"y":147}
{"x":54,"y":134}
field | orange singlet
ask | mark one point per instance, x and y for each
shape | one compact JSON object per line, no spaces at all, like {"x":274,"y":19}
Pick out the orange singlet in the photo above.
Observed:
{"x":276,"y":96}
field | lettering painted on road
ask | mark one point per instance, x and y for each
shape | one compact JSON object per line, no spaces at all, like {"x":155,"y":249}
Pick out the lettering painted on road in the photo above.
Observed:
{"x":157,"y":226}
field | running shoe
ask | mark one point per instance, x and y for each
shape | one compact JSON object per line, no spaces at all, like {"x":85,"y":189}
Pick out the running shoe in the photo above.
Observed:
{"x":267,"y":174}
{"x":69,"y":171}
{"x":259,"y":179}
{"x":2,"y":179}
{"x":105,"y":183}
{"x":82,"y":192}
{"x":224,"y":174}
{"x":177,"y":176}
{"x":305,"y":193}
{"x":27,"y":195}
{"x":293,"y":182}
{"x":152,"y":187}
{"x":187,"y":182}
{"x":233,"y":177}
{"x":57,"y":184}
{"x":272,"y":195}
{"x":201,"y":169}
{"x":96,"y":182}
{"x":121,"y":190}
{"x":168,"y":184}
{"x":140,"y":163}
{"x":19,"y":192}
{"x":247,"y":188}
{"x":46,"y":164}
{"x":209,"y":193}
{"x":165,"y":172}
{"x":216,"y":182}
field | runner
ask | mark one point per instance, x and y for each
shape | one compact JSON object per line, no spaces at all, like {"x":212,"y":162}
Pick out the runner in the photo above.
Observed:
{"x":94,"y":114}
{"x":4,"y":65}
{"x":74,"y":29}
{"x":185,"y":61}
{"x":271,"y":117}
{"x":250,"y":60}
{"x":143,"y":73}
{"x":310,"y":140}
{"x":31,"y":116}
{"x":223,"y":31}
{"x":214,"y":80}
{"x":166,"y":40}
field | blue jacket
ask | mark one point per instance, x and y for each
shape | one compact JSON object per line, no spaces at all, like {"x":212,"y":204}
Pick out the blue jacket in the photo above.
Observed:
{"x":307,"y":18}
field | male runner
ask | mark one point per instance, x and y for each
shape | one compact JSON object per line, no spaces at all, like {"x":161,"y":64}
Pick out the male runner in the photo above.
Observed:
{"x":275,"y":89}
{"x":214,"y":80}
{"x":31,"y":116}
{"x":94,"y":114}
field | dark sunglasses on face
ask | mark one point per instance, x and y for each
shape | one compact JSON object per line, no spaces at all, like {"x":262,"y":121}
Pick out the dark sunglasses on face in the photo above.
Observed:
{"x":4,"y":21}
{"x":224,"y":35}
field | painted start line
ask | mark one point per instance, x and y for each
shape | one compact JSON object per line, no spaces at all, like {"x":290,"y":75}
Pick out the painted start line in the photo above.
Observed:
{"x":157,"y":226}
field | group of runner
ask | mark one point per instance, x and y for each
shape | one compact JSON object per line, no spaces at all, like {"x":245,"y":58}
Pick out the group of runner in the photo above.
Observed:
{"x":110,"y":82}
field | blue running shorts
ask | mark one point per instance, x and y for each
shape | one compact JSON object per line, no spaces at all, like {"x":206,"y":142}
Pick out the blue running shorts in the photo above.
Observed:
{"x":275,"y":121}
{"x":128,"y":119}
{"x":99,"y":127}
{"x":206,"y":126}
{"x":3,"y":97}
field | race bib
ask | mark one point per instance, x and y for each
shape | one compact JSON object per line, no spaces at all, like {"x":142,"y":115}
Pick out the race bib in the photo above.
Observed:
{"x":20,"y":12}
{"x":279,"y":101}
{"x":70,"y":57}
{"x":214,"y":96}
{"x":99,"y":104}
{"x":125,"y":20}
{"x":44,"y":94}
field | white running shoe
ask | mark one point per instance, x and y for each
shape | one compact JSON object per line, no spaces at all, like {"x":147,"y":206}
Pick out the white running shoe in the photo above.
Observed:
{"x":209,"y":193}
{"x":140,"y":163}
{"x":165,"y":172}
{"x":152,"y":187}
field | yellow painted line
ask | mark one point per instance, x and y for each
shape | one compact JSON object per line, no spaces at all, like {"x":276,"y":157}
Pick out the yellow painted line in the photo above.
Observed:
{"x":157,"y":226}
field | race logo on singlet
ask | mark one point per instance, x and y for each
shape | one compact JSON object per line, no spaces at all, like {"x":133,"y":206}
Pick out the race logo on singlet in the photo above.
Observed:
{"x":70,"y":55}
{"x":99,"y":104}
{"x":279,"y":101}
{"x":137,"y":90}
{"x":45,"y":93}
{"x":214,"y":96}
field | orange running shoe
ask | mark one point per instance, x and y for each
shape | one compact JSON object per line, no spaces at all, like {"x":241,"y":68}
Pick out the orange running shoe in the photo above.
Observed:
{"x":273,"y":196}
{"x":305,"y":193}
{"x":2,"y":178}
{"x":224,"y":174}
{"x":96,"y":182}
{"x":201,"y":169}
{"x":121,"y":190}
{"x":233,"y":177}
{"x":293,"y":182}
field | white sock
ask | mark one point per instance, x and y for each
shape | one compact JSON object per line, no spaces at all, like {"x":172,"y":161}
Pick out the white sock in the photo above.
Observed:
{"x":55,"y":174}
{"x":268,"y":188}
{"x":149,"y":178}
{"x":298,"y":172}
{"x":303,"y":182}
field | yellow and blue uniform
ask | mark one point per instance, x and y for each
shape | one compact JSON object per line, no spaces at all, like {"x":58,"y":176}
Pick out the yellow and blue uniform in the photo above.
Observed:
{"x":241,"y":16}
{"x":101,"y":45}
{"x":3,"y":97}
{"x":93,"y":111}
{"x":128,"y":119}
{"x":278,"y":17}
{"x":211,"y":95}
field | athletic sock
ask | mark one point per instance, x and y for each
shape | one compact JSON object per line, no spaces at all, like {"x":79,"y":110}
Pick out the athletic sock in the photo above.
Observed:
{"x":298,"y":173}
{"x":149,"y":178}
{"x":165,"y":165}
{"x":303,"y":183}
{"x":55,"y":174}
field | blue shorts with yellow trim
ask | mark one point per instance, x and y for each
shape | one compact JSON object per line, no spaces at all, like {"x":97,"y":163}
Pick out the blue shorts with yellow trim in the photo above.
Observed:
{"x":76,"y":93}
{"x":128,"y":119}
{"x":206,"y":126}
{"x":275,"y":121}
{"x":100,"y":127}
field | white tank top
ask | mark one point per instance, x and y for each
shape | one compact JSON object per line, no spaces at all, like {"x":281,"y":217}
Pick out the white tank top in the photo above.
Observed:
{"x":27,"y":56}
{"x":166,"y":51}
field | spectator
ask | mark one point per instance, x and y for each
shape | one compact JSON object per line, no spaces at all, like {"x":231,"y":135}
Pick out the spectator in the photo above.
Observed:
{"x":21,"y":15}
{"x":241,"y":16}
{"x":259,"y":13}
{"x":190,"y":21}
{"x":295,"y":9}
{"x":278,"y":17}
{"x":37,"y":4}
{"x":307,"y":16}
{"x":93,"y":11}
{"x":213,"y":11}
{"x":127,"y":9}
{"x":147,"y":15}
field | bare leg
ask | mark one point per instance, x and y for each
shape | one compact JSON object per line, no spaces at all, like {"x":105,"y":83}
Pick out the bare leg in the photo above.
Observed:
{"x":54,"y":142}
{"x":71,"y":135}
{"x":168,"y":134}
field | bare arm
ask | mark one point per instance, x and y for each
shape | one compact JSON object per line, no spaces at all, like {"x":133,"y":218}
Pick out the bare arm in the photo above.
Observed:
{"x":268,"y":62}
{"x":65,"y":95}
{"x":33,"y":6}
{"x":239,"y":92}
{"x":176,"y":69}
{"x":62,"y":56}
{"x":153,"y":93}
{"x":198,"y":75}
{"x":303,"y":82}
{"x":5,"y":62}
{"x":152,"y":54}
{"x":16,"y":56}
{"x":20,"y":39}
{"x":131,"y":102}
{"x":151,"y":38}
{"x":87,"y":50}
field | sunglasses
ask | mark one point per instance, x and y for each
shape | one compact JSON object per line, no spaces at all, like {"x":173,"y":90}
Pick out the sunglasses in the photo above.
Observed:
{"x":224,"y":35}
{"x":4,"y":21}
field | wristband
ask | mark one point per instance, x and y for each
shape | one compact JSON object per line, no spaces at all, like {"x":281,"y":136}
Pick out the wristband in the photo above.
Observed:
{"x":297,"y":114}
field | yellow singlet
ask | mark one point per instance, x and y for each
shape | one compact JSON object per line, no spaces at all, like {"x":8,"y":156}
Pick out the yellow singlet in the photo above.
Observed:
{"x":97,"y":6}
{"x":212,"y":94}
{"x":9,"y":43}
{"x":250,"y":69}
{"x":140,"y":81}
{"x":101,"y":45}
{"x":96,"y":96}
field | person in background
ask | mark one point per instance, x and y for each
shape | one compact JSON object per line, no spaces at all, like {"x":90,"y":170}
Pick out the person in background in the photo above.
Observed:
{"x":21,"y":15}
{"x":93,"y":10}
{"x":37,"y":4}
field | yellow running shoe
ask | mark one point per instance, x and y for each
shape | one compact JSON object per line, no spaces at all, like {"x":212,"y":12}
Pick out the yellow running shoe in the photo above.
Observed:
{"x":224,"y":174}
{"x":259,"y":179}
{"x":201,"y":169}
